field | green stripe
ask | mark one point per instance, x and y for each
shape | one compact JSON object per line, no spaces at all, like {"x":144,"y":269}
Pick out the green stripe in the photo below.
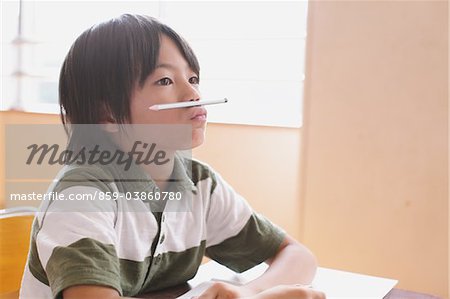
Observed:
{"x":90,"y":262}
{"x":86,"y":261}
{"x":258,"y":241}
{"x":132,"y":275}
{"x":201,"y":172}
{"x":173,"y":268}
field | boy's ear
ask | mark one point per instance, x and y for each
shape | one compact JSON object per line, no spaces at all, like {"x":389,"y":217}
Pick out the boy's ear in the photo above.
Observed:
{"x":110,"y":125}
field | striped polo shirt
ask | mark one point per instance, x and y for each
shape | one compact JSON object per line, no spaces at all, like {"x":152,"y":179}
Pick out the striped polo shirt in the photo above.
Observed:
{"x":131,"y":246}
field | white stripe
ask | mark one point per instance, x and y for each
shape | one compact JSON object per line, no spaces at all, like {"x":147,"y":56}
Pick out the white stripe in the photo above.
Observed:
{"x":227,"y":214}
{"x":183,"y":230}
{"x":136,"y":227}
{"x":213,"y":218}
{"x":32,"y":288}
{"x":67,"y":222}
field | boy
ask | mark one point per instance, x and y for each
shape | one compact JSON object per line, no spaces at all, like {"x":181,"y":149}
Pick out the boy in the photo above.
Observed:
{"x":126,"y":247}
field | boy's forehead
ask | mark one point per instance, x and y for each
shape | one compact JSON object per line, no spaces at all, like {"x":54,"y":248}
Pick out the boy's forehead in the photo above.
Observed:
{"x":170,"y":56}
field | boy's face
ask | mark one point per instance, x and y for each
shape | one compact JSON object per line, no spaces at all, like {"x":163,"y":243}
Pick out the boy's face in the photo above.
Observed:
{"x":172,"y":81}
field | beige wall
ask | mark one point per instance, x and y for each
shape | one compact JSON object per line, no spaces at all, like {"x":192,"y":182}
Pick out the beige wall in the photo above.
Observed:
{"x":17,"y":117}
{"x":375,"y":140}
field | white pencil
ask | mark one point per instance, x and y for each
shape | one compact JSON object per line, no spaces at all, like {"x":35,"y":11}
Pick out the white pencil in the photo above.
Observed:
{"x":186,"y":104}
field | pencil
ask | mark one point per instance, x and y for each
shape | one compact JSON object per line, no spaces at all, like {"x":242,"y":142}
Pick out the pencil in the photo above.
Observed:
{"x":186,"y":104}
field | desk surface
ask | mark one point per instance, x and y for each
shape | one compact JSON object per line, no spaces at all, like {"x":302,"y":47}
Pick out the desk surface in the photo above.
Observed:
{"x":402,"y":294}
{"x":181,"y":289}
{"x":213,"y":270}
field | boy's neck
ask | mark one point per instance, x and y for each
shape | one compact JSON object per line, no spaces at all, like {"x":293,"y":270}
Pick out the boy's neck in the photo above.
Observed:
{"x":161,"y":174}
{"x":158,"y":162}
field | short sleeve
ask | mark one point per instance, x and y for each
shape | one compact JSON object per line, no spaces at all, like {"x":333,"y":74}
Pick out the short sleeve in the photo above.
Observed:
{"x":77,"y":246}
{"x":237,"y":237}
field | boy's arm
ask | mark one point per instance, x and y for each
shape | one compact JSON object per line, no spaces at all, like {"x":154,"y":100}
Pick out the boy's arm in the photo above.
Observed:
{"x":91,"y":292}
{"x":292,"y":264}
{"x":291,"y":269}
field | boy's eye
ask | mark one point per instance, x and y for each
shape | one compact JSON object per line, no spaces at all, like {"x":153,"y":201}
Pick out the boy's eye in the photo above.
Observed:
{"x":194,"y":80}
{"x":164,"y":81}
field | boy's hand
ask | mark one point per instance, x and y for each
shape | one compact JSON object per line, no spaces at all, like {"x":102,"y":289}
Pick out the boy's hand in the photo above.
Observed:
{"x":289,"y":292}
{"x":221,"y":290}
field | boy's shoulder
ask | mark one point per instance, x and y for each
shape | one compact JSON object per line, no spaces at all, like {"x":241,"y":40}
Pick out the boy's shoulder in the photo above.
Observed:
{"x":200,"y":171}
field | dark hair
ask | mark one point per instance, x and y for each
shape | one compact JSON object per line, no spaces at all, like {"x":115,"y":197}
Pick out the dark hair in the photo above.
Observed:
{"x":104,"y":64}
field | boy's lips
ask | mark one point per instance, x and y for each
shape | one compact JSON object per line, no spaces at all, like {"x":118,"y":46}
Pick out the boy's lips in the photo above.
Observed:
{"x":198,"y":113}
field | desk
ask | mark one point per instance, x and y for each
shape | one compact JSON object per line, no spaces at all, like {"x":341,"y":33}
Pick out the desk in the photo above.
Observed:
{"x":181,"y":289}
{"x":206,"y":273}
{"x":211,"y":270}
{"x":401,"y":294}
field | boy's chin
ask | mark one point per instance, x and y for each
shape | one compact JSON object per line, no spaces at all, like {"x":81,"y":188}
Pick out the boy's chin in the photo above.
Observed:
{"x":198,"y":138}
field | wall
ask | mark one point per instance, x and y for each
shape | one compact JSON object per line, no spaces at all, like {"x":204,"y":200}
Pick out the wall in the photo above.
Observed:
{"x":18,"y":117}
{"x":375,"y":140}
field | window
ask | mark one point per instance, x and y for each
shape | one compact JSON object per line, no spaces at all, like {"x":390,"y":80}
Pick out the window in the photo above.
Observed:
{"x":253,"y":53}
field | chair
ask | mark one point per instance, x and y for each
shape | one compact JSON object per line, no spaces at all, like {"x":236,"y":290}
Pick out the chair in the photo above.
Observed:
{"x":15,"y":228}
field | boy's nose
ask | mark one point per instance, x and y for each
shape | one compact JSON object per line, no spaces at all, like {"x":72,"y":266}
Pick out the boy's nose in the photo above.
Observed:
{"x":191,"y":93}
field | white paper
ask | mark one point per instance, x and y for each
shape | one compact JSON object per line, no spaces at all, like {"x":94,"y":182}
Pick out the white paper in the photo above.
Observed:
{"x":334,"y":283}
{"x":341,"y":284}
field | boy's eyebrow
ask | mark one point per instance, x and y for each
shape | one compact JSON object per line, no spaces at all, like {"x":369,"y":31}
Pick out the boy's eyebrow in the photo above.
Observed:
{"x":170,"y":66}
{"x":165,"y":65}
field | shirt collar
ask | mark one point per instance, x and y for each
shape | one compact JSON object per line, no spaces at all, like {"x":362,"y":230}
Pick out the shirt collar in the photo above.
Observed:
{"x":136,"y":179}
